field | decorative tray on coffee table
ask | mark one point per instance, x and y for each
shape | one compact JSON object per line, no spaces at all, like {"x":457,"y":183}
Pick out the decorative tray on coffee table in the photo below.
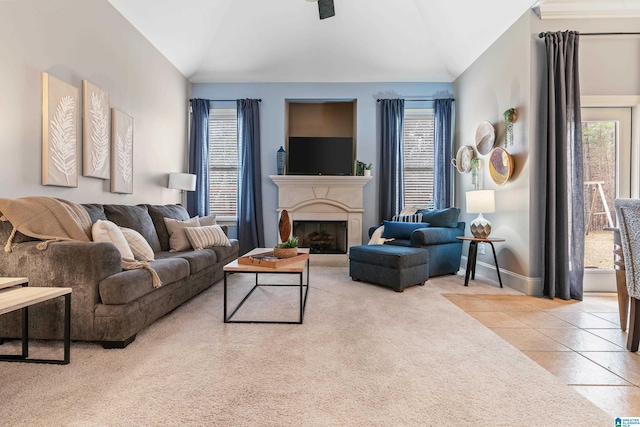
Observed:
{"x":268,"y":259}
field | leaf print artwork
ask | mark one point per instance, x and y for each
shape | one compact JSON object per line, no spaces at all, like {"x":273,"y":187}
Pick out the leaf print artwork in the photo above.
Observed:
{"x":60,"y":114}
{"x":63,"y":138}
{"x":124,"y":150}
{"x":121,"y":153}
{"x":99,"y":133}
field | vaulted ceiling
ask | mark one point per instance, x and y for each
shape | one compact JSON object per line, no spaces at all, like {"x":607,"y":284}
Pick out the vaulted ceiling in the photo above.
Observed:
{"x":285,"y":41}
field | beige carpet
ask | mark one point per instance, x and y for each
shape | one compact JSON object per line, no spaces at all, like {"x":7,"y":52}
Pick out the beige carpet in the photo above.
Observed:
{"x":365,"y":356}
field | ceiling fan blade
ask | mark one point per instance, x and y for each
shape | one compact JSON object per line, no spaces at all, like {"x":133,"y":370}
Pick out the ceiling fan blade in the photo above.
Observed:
{"x":325,"y":7}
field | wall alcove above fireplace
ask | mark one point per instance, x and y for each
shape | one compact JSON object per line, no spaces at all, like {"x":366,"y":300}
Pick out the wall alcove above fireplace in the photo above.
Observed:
{"x":317,"y":130}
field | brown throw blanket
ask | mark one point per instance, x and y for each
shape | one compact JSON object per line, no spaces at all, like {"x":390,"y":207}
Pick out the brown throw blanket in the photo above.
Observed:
{"x":51,"y":219}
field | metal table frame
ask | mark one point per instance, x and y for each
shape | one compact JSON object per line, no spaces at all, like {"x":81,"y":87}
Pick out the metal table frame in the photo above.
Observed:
{"x":472,"y":257}
{"x":24,"y":356}
{"x":304,"y":292}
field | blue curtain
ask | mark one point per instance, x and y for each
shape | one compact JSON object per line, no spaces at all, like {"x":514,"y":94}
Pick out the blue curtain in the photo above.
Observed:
{"x":561,"y":171}
{"x":391,"y":157}
{"x":198,"y":200}
{"x":443,"y":147}
{"x":250,"y":225}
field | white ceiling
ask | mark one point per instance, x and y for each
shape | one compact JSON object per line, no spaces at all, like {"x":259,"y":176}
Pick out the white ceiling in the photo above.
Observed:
{"x":285,"y":41}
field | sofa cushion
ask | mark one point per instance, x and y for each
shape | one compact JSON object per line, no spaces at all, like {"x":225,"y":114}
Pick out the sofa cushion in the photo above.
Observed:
{"x":227,"y":253}
{"x":158,"y":213}
{"x":198,"y":260}
{"x":441,"y":217}
{"x":178,"y":240}
{"x":95,"y":211}
{"x":139,"y":246}
{"x":127,"y":286}
{"x":400,"y":230}
{"x":136,"y":218}
{"x":206,"y":237}
{"x":107,"y":231}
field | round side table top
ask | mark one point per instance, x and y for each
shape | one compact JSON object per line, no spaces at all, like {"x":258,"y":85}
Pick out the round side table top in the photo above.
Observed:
{"x":477,"y":239}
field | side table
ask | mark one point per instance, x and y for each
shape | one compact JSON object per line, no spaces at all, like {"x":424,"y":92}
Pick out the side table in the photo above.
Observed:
{"x":15,"y":294}
{"x":473,"y":255}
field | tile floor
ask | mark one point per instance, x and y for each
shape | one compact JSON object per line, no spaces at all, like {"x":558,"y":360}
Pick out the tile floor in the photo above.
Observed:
{"x":578,"y":341}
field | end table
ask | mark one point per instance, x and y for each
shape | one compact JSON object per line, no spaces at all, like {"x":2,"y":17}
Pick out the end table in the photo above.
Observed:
{"x":473,"y":255}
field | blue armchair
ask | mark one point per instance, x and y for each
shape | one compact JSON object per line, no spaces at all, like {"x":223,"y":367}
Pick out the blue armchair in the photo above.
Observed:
{"x":439,"y":238}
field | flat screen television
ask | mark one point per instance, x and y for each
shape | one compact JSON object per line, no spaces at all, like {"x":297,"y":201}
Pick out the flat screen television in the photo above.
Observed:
{"x":320,"y":156}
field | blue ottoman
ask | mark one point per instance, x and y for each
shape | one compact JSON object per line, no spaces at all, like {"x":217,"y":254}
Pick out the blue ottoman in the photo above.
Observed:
{"x":394,"y":266}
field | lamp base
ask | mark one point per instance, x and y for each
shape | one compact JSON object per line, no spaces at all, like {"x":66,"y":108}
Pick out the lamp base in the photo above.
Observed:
{"x":480,"y":227}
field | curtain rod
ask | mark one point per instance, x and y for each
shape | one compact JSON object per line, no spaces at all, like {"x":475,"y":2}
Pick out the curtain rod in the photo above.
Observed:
{"x":223,"y":100}
{"x":541,"y":35}
{"x":420,"y":100}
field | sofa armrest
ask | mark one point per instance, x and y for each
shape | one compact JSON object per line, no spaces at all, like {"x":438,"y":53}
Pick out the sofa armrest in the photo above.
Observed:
{"x":80,"y":266}
{"x":436,"y":236}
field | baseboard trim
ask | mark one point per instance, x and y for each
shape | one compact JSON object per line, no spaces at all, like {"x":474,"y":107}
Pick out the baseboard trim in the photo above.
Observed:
{"x":524,"y":284}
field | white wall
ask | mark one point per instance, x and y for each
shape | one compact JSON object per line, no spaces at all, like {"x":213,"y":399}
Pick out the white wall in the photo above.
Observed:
{"x":511,"y":74}
{"x":87,"y":39}
{"x":495,"y":82}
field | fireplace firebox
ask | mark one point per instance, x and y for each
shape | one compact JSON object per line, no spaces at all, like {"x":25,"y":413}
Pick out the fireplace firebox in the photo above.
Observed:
{"x":322,"y":237}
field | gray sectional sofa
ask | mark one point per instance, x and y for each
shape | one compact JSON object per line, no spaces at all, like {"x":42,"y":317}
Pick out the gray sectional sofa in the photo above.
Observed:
{"x":109,"y":305}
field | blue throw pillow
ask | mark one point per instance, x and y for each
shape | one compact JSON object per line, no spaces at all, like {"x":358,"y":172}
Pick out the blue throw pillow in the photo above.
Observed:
{"x":441,"y":217}
{"x":400,"y":230}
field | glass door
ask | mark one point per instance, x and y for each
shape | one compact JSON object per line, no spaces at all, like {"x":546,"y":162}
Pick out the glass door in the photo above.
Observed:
{"x":606,"y":142}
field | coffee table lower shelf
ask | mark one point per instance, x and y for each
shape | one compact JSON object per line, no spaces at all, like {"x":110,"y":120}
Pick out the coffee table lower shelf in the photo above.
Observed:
{"x":296,"y":269}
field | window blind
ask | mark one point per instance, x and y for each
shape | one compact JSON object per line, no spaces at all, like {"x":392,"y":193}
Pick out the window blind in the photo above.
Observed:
{"x":223,"y":162}
{"x":418,"y":158}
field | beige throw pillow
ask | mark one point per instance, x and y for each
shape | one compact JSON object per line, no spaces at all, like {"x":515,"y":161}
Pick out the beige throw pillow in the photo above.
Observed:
{"x":207,"y":220}
{"x":177,"y":238}
{"x":139,"y":246}
{"x":107,"y":231}
{"x":204,"y":237}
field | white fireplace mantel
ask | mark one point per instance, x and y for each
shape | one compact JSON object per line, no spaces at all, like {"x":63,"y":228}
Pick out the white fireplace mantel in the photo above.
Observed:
{"x":313,"y":197}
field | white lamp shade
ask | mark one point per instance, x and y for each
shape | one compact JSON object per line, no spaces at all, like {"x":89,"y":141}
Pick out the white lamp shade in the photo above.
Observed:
{"x":481,"y":201}
{"x":182,"y":181}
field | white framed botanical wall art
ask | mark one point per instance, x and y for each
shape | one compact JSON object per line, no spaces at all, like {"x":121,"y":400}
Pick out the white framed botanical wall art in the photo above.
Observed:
{"x":121,"y":152}
{"x":60,"y":121}
{"x":96,"y":131}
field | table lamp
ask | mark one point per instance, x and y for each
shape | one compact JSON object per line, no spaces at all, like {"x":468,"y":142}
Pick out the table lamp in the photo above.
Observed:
{"x":481,"y":201}
{"x":182,"y":181}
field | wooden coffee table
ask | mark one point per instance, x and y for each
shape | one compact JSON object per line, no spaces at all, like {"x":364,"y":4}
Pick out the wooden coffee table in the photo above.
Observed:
{"x":15,"y":294}
{"x":297,"y":267}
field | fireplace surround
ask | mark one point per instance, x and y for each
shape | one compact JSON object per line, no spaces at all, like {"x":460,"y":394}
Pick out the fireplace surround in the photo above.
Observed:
{"x":324,"y":198}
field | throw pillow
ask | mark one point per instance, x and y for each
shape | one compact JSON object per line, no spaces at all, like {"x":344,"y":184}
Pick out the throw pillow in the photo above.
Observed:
{"x":441,"y":217}
{"x":178,"y":240}
{"x":376,"y":237}
{"x":207,"y":220}
{"x":400,"y":230}
{"x":107,"y":231}
{"x":158,"y":213}
{"x":204,"y":237}
{"x":139,"y":247}
{"x":136,"y":218}
{"x":417,"y":217}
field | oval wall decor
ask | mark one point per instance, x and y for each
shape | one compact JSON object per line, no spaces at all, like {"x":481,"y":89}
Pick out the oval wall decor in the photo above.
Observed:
{"x":485,"y":137}
{"x":500,"y":165}
{"x":462,"y":162}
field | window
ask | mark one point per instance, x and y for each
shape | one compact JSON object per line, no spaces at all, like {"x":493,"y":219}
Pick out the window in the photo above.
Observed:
{"x":418,"y":157}
{"x":223,"y":163}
